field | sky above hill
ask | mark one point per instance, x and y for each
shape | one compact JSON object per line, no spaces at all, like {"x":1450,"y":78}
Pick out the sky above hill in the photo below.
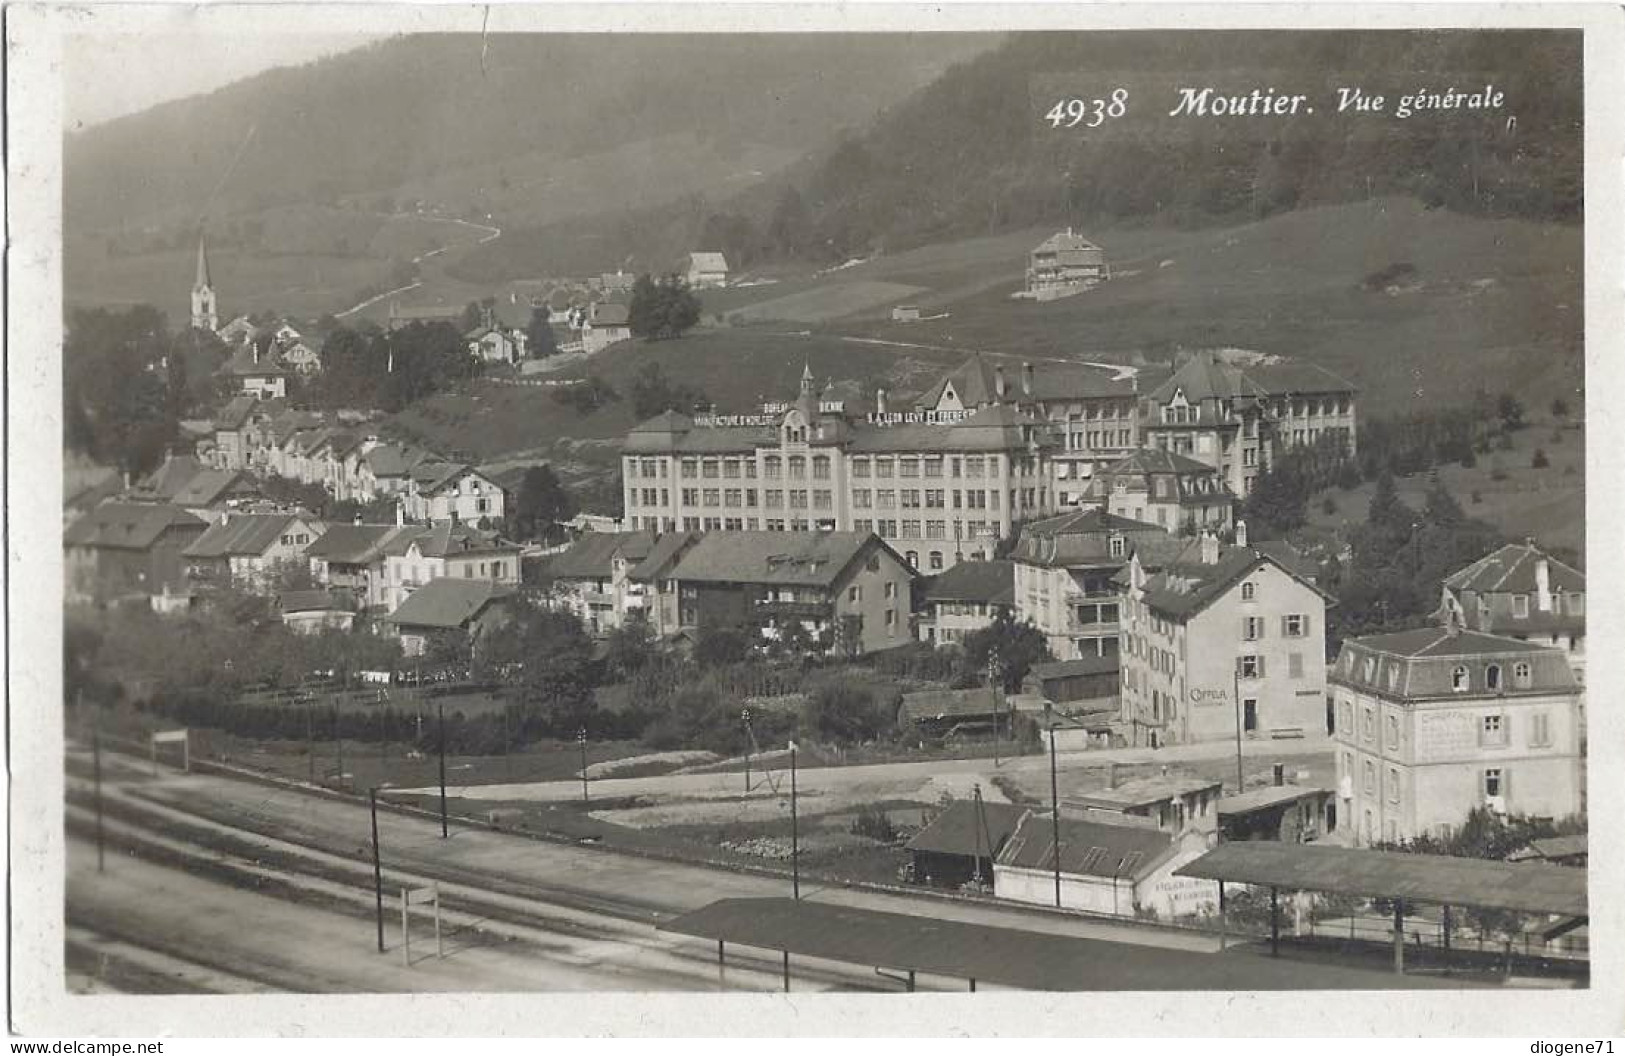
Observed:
{"x":107,"y":76}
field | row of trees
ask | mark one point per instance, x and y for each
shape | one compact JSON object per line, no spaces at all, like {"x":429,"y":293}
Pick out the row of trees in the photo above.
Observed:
{"x":372,"y":368}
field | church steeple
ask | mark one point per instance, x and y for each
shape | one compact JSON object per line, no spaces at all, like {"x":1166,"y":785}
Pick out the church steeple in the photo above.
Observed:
{"x":806,"y":379}
{"x":204,"y":313}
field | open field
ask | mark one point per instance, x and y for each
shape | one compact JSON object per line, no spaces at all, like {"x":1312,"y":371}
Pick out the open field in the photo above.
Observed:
{"x":1548,"y":504}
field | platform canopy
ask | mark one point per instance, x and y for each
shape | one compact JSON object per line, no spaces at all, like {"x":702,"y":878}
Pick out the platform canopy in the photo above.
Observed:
{"x":1014,"y":957}
{"x":1437,"y":879}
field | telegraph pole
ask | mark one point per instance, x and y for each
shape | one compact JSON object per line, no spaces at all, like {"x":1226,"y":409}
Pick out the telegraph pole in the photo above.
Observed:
{"x":744,"y":714}
{"x":795,"y":831}
{"x":1241,"y":780}
{"x":310,"y":740}
{"x":377,"y":869}
{"x":1055,"y":809}
{"x":96,"y":766}
{"x":443,"y":830}
{"x":581,"y":740}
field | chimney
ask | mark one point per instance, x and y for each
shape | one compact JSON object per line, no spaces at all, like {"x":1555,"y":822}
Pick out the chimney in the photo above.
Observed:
{"x":880,"y":401}
{"x":1543,"y":584}
{"x":1210,"y":548}
{"x":1027,"y":380}
{"x":998,"y":383}
{"x":1241,"y":533}
{"x":1280,"y":775}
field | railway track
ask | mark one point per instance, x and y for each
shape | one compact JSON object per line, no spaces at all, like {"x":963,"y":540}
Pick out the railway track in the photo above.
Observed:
{"x":263,"y":854}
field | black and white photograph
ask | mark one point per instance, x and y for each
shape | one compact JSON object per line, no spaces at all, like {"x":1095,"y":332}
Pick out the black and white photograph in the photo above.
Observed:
{"x":563,"y":503}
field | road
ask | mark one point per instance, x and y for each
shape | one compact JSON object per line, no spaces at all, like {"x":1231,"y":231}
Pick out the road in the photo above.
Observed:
{"x":1077,"y":770}
{"x":239,"y":886}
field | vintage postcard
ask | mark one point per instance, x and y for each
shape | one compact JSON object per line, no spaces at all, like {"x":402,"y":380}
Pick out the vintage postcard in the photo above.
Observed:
{"x":597,"y":509}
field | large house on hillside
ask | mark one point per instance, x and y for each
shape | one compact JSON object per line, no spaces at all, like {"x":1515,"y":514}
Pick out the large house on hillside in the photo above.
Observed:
{"x":118,"y":551}
{"x":706,"y":269}
{"x":1065,"y":263}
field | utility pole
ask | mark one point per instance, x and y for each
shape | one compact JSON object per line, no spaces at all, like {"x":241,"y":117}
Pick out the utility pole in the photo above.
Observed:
{"x":581,"y":740}
{"x":744,"y":715}
{"x":310,"y":740}
{"x":1235,"y":681}
{"x":338,"y":735}
{"x":795,"y":831}
{"x":998,"y":699}
{"x":377,"y":869}
{"x":96,"y":767}
{"x":1055,"y":807}
{"x":443,"y":829}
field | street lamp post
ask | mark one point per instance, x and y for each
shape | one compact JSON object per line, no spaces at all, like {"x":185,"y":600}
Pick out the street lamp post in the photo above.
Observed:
{"x":1054,"y":801}
{"x":744,"y":715}
{"x":581,"y":741}
{"x":795,"y":829}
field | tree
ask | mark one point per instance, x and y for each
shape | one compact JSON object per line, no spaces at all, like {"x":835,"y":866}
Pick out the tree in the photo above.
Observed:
{"x":718,"y":646}
{"x":630,"y":647}
{"x":1510,"y":410}
{"x":540,"y":341}
{"x":664,"y":309}
{"x":1014,"y":648}
{"x":554,"y":655}
{"x":473,"y":317}
{"x":842,"y":712}
{"x":653,"y":393}
{"x":541,"y":504}
{"x":1442,"y":509}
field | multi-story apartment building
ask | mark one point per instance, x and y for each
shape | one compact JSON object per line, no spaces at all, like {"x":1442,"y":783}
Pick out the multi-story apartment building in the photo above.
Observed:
{"x":1093,"y":413}
{"x":1435,"y":722}
{"x":938,"y":486}
{"x":1237,"y":417}
{"x":1170,"y":490}
{"x":1065,"y":263}
{"x":1064,"y":576}
{"x":593,"y":578}
{"x":1519,"y":592}
{"x":1223,"y":635}
{"x":444,"y":550}
{"x":847,"y":591}
{"x":965,"y":599}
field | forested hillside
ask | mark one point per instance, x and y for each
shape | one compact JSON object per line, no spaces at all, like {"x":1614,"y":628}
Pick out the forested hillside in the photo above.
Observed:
{"x":973,"y":154}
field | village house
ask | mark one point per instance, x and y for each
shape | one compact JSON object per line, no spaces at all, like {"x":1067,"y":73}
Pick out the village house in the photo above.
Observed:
{"x":1064,"y":576}
{"x":980,"y":711}
{"x":1122,"y":870}
{"x":1280,"y":812}
{"x":314,"y":611}
{"x":1520,"y":592}
{"x":605,"y":324}
{"x":1435,"y":722}
{"x":1217,"y":622}
{"x":440,"y":491}
{"x":249,"y":550}
{"x":467,"y":609}
{"x":1065,"y":263}
{"x":650,"y":587}
{"x":1169,"y":803}
{"x":230,"y":432}
{"x":1174,"y":492}
{"x":257,"y":372}
{"x":1238,"y":417}
{"x":593,"y":578}
{"x":351,"y":561}
{"x":1086,"y":687}
{"x":421,"y":554}
{"x":211,"y":491}
{"x":118,"y":551}
{"x":706,"y":269}
{"x":847,"y":591}
{"x":967,"y":598}
{"x":496,"y":344}
{"x":959,"y":845}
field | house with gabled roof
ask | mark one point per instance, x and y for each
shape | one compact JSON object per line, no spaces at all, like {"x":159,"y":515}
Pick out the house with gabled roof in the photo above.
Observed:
{"x":1237,"y":414}
{"x":249,"y":549}
{"x":211,"y":491}
{"x":649,"y":583}
{"x":1123,"y":870}
{"x":121,"y":550}
{"x":606,"y":323}
{"x":1521,"y":592}
{"x":496,"y":343}
{"x":1219,"y":636}
{"x":593,"y":577}
{"x":1167,"y":489}
{"x":391,"y":465}
{"x":419,"y":554}
{"x":470,"y":608}
{"x":439,"y":490}
{"x":352,"y":559}
{"x":847,"y":591}
{"x":967,"y":598}
{"x":1065,"y":263}
{"x":706,"y":269}
{"x":257,"y":371}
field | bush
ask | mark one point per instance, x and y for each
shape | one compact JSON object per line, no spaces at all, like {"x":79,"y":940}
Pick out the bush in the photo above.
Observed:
{"x":874,"y":823}
{"x":1328,"y":506}
{"x":1468,"y":459}
{"x":1540,"y":461}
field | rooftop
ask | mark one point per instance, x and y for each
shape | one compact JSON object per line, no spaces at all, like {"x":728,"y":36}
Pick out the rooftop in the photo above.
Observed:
{"x":815,"y":559}
{"x":447,"y":603}
{"x":246,"y":534}
{"x":989,"y":582}
{"x":940,"y":704}
{"x":591,"y":556}
{"x":1144,"y":792}
{"x":1435,"y":879}
{"x":1188,"y":585}
{"x":1512,"y":570}
{"x":965,"y":830}
{"x":1088,"y":848}
{"x":1268,"y":796}
{"x":127,"y":525}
